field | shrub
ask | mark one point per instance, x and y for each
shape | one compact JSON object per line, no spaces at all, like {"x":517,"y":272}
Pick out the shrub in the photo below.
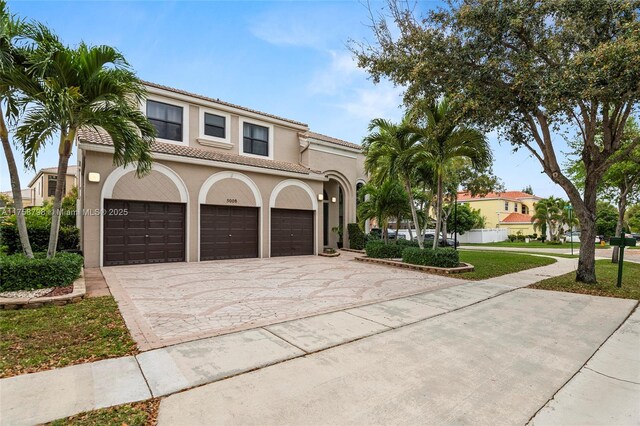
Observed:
{"x":68,"y":238}
{"x":18,"y":272}
{"x":356,"y":237}
{"x":378,"y":249}
{"x":408,"y":243}
{"x":443,"y":258}
{"x":553,"y":242}
{"x":511,"y":237}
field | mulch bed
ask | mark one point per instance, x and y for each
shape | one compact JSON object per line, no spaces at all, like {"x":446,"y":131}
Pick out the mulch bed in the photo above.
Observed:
{"x":60,"y":291}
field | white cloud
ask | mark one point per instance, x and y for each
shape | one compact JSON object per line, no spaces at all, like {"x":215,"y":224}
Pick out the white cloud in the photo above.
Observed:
{"x":340,"y":73}
{"x":382,"y":100}
{"x":286,"y":28}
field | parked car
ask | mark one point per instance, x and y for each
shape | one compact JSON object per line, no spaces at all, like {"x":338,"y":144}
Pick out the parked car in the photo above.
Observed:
{"x":575,"y":237}
{"x":378,"y":233}
{"x":449,"y":242}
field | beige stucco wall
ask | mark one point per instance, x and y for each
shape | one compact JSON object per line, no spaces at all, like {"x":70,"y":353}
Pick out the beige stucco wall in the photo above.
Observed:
{"x":293,"y":197}
{"x":193,"y":176}
{"x":225,"y":190}
{"x":153,"y":187}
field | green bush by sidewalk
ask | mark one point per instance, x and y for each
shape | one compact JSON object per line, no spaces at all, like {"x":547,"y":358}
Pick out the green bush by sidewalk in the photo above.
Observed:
{"x":18,"y":272}
{"x":442,"y":257}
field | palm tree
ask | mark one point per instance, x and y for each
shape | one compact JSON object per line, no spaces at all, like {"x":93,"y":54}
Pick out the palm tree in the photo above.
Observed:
{"x":392,"y":152}
{"x":91,"y":87}
{"x":548,"y":216}
{"x":444,"y":140}
{"x":382,"y":202}
{"x":11,"y":64}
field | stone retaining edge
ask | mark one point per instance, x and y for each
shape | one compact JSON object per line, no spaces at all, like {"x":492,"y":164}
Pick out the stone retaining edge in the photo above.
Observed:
{"x":429,"y":269}
{"x":78,"y":293}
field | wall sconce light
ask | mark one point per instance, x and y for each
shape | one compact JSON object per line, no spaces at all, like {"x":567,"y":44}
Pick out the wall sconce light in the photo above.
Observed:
{"x":333,"y":199}
{"x":93,"y":177}
{"x":320,"y":197}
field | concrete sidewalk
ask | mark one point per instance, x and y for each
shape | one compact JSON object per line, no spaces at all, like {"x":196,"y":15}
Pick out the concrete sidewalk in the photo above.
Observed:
{"x":606,"y":391}
{"x":537,"y":322}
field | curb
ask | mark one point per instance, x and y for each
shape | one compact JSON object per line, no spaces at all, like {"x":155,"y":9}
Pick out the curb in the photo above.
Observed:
{"x":429,"y":269}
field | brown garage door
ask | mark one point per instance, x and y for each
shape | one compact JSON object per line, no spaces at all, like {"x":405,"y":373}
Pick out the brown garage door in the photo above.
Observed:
{"x":291,"y":232}
{"x":228,"y":232}
{"x":143,"y":232}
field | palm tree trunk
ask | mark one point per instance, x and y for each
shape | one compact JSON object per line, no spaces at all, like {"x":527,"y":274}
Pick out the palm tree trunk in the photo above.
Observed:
{"x":14,"y":177}
{"x":66,"y":144}
{"x":397,"y":228}
{"x":436,"y":236}
{"x":414,"y":214}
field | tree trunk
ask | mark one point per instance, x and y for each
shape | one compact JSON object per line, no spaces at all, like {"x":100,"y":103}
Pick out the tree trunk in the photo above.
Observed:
{"x":438,"y":211}
{"x":414,"y":214}
{"x":586,"y":213}
{"x":66,"y":144}
{"x":14,"y":177}
{"x":397,"y":229}
{"x":622,"y":208}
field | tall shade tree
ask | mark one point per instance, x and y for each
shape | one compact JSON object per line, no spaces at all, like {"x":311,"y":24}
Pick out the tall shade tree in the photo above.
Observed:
{"x":528,"y":69}
{"x":391,"y":152}
{"x":620,"y":184}
{"x":11,"y":69}
{"x":86,"y":87}
{"x":382,"y":202}
{"x":443,"y":142}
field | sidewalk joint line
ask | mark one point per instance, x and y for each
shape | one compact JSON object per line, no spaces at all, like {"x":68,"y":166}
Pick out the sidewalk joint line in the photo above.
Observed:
{"x":283,"y":339}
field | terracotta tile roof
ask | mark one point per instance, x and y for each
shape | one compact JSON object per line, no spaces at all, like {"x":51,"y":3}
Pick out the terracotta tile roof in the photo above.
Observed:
{"x":517,"y":218}
{"x":102,"y":138}
{"x":511,"y":195}
{"x":330,"y":139}
{"x":218,"y":101}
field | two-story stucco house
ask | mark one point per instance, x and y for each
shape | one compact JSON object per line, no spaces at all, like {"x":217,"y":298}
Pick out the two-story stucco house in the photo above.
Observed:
{"x":227,"y":182}
{"x":512,"y":210}
{"x":43,"y":185}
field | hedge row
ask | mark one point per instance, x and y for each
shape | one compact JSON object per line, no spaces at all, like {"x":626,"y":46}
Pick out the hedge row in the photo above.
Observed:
{"x":68,"y":238}
{"x":443,"y":257}
{"x":411,"y":253}
{"x":379,"y":250}
{"x":18,"y":272}
{"x":357,"y":238}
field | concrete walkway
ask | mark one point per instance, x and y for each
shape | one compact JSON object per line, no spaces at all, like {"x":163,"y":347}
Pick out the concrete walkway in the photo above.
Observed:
{"x":606,"y":391}
{"x":478,"y":352}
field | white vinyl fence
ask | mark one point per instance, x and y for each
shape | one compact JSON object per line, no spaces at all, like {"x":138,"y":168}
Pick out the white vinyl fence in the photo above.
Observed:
{"x":492,"y":235}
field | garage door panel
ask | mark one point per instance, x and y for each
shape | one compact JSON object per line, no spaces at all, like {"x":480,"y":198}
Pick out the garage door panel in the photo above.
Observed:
{"x":150,"y":232}
{"x":292,"y":232}
{"x":228,"y":232}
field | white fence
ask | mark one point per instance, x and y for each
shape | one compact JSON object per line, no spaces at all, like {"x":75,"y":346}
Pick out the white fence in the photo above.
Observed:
{"x":492,"y":235}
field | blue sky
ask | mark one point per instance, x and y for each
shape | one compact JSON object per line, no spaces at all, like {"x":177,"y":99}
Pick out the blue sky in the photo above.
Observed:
{"x":285,"y":58}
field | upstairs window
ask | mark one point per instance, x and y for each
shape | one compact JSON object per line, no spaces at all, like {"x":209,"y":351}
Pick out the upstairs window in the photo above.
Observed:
{"x":515,"y":207}
{"x":167,"y":119}
{"x":214,"y":125}
{"x":256,"y":140}
{"x":52,"y":185}
{"x":506,"y":206}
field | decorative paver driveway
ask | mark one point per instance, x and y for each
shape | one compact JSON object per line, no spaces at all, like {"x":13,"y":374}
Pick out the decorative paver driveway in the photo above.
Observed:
{"x":165,"y":303}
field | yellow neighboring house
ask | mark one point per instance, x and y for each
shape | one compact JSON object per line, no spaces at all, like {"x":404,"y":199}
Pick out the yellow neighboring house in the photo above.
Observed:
{"x":509,"y":209}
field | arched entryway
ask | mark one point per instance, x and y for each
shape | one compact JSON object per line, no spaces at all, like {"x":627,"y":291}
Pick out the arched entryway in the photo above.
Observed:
{"x":338,"y":210}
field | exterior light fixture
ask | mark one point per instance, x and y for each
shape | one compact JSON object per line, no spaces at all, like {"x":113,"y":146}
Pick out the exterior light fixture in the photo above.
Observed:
{"x":333,"y":199}
{"x":93,"y":177}
{"x":320,"y":197}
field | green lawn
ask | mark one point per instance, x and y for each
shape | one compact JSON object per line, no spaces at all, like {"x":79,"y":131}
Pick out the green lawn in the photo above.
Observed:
{"x":488,"y":264}
{"x":606,"y":274}
{"x":141,"y":413}
{"x":522,"y":244}
{"x":55,"y":336}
